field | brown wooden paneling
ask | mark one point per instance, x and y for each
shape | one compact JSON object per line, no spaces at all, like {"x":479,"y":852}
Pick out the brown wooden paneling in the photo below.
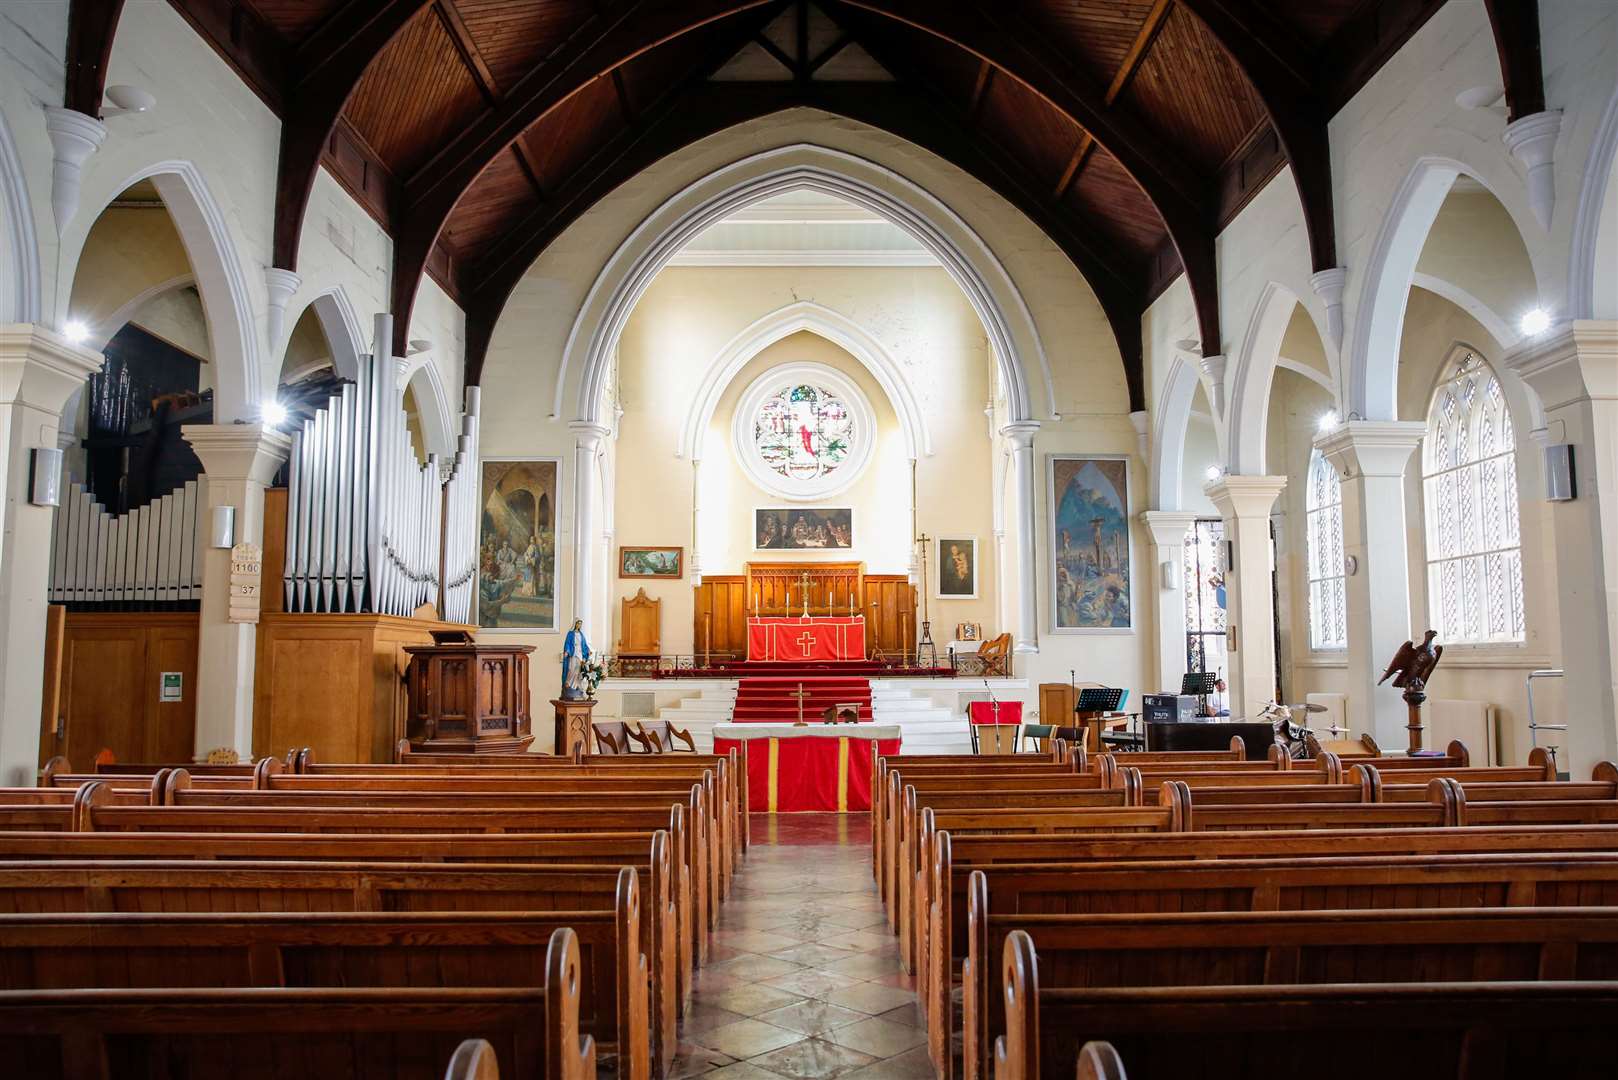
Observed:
{"x":501,"y":195}
{"x":1114,"y":205}
{"x":889,"y":608}
{"x":514,"y":35}
{"x":271,"y":596}
{"x":1206,"y":115}
{"x":334,"y":683}
{"x":721,"y":607}
{"x":1095,"y":35}
{"x":1030,"y":128}
{"x":415,"y":96}
{"x":293,"y":19}
{"x":574,"y":129}
{"x":890,"y":613}
{"x":107,"y":687}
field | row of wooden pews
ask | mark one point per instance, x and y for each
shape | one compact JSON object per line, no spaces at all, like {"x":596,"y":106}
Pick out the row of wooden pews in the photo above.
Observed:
{"x":289,"y":919}
{"x":1206,"y":913}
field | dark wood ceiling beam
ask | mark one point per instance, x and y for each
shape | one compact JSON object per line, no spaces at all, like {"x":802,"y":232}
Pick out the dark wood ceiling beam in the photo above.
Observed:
{"x":980,"y":89}
{"x":91,"y":25}
{"x":1516,"y":38}
{"x":325,"y":71}
{"x":707,"y":108}
{"x":243,"y":40}
{"x":842,"y":42}
{"x":1294,"y":98}
{"x":478,"y":68}
{"x":1145,"y":37}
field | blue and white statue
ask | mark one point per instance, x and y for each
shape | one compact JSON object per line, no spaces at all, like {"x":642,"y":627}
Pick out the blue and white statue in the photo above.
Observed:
{"x":575,"y":651}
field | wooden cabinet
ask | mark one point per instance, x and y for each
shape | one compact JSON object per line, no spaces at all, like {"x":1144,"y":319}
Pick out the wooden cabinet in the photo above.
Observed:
{"x":334,"y":683}
{"x":103,"y":686}
{"x":1056,"y":701}
{"x":468,"y":698}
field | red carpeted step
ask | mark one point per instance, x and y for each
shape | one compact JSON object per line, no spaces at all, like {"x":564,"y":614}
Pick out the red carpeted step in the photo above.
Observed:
{"x":769,"y":696}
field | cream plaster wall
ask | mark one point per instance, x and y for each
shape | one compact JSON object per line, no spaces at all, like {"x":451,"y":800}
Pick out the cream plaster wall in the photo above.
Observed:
{"x":677,"y":332}
{"x":176,"y":316}
{"x":127,"y":252}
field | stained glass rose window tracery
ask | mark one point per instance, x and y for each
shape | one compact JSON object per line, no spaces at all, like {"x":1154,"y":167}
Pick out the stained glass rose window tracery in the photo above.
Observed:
{"x":804,"y":432}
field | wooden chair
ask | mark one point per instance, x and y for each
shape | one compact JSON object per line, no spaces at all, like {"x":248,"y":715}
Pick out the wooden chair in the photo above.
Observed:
{"x":607,"y":742}
{"x":668,"y":735}
{"x":640,"y":627}
{"x":996,"y":655}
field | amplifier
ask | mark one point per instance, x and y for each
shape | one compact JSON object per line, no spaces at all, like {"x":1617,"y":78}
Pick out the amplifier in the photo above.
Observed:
{"x":1169,"y":708}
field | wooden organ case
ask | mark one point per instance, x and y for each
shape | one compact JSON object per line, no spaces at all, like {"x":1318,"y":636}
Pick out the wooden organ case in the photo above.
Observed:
{"x":466,"y":697}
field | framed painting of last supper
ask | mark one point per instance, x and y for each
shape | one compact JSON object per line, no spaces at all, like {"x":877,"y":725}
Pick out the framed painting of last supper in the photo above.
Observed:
{"x":802,"y":530}
{"x":1090,"y":572}
{"x":517,"y":545}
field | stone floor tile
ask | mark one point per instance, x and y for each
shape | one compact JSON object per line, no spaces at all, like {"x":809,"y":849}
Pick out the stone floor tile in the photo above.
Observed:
{"x":813,"y":1059}
{"x":910,"y":1065}
{"x":909,"y":1013}
{"x":811,"y":954}
{"x":741,"y":1070}
{"x":746,"y":1038}
{"x":877,"y":1037}
{"x":692,"y":1060}
{"x":750,"y":1000}
{"x":867,"y":998}
{"x":812,"y":1017}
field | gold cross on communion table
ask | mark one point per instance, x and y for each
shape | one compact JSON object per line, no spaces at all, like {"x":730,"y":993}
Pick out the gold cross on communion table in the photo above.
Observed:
{"x":800,"y":693}
{"x":803,"y":583}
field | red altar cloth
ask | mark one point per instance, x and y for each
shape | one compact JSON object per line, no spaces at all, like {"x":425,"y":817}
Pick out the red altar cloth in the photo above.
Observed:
{"x":796,"y":775}
{"x":817,"y":637}
{"x":982,"y":712}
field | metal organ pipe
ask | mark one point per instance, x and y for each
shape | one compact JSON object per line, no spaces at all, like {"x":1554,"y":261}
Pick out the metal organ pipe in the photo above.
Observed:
{"x":148,"y":557}
{"x":365,"y":520}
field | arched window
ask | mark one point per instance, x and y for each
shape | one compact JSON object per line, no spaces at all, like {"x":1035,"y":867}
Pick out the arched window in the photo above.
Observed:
{"x":1323,"y":524}
{"x":1474,"y":544}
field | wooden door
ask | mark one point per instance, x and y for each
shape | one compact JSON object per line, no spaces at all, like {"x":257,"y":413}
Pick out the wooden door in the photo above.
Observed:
{"x":104,"y":694}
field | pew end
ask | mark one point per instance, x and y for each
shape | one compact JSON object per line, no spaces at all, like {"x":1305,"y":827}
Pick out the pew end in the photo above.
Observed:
{"x":474,"y":1059}
{"x":1100,"y":1061}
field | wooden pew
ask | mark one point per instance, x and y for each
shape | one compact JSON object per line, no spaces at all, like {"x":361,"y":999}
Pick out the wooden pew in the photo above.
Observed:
{"x":337,"y":950}
{"x":1388,"y":1031}
{"x":105,"y":886}
{"x":245,"y":1033}
{"x":475,"y":1059}
{"x":1010,"y":896}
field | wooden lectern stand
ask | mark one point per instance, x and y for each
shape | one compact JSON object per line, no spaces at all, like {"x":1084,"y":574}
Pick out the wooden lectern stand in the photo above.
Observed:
{"x":467,"y":697}
{"x":573,"y":725}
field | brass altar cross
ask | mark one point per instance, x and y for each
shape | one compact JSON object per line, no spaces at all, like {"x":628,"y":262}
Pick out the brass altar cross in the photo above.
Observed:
{"x":803,"y":583}
{"x":800,"y":693}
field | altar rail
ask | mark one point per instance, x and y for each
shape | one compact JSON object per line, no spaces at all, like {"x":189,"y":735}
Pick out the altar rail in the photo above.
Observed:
{"x":890,"y":665}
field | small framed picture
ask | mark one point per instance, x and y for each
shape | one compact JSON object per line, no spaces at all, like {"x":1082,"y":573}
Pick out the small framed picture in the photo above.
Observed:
{"x":957,"y":568}
{"x":968,"y":631}
{"x":651,"y":562}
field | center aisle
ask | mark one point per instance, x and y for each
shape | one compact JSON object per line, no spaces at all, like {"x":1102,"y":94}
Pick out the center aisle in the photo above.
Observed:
{"x":804,"y":980}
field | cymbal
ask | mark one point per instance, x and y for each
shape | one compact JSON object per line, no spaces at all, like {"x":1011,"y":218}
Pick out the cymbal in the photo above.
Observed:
{"x":1307,"y":706}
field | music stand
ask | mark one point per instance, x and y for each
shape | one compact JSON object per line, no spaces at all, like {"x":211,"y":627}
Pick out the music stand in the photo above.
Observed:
{"x":1094,"y":702}
{"x":1199,"y":684}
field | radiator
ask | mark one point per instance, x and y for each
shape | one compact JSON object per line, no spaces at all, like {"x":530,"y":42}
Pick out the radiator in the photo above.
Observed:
{"x":1475,"y":723}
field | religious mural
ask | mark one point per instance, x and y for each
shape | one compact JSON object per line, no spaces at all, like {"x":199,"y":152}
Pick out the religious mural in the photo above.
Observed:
{"x":517,"y":545}
{"x":957,"y":568}
{"x":803,"y":530}
{"x":1090,"y":571}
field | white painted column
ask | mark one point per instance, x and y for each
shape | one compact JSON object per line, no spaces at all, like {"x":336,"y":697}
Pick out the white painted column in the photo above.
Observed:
{"x":1020,"y":434}
{"x":587,"y":442}
{"x":1245,"y":503}
{"x":39,"y":371}
{"x":696,"y":522}
{"x":1371,"y":456}
{"x":1168,"y":529}
{"x":1575,"y":373}
{"x":238,"y":463}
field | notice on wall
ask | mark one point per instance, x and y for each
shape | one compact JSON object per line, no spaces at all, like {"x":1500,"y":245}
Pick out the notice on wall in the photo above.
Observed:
{"x":246,"y":568}
{"x":171,"y":686}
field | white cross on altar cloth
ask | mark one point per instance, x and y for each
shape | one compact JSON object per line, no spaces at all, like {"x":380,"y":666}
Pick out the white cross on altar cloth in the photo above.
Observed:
{"x":805,"y":641}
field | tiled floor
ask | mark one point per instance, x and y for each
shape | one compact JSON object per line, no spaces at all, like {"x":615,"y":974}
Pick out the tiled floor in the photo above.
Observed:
{"x":804,"y":980}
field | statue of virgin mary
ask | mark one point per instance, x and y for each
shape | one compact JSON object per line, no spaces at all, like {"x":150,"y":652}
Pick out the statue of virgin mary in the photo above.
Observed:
{"x":575,"y":651}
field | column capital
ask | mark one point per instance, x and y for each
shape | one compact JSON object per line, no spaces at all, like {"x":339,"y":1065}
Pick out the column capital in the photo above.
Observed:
{"x":589,"y":433}
{"x":41,"y":368}
{"x":1245,"y":496}
{"x":1370,"y":447}
{"x":1020,"y":433}
{"x":238,"y":451}
{"x":1168,"y":527}
{"x":1574,"y":361}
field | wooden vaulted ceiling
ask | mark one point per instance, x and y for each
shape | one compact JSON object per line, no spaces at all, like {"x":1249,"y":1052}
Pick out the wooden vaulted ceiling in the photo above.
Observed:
{"x":1130,"y":131}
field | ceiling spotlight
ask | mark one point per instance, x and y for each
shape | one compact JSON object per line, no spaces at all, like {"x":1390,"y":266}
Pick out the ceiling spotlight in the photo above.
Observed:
{"x":1214,"y":472}
{"x":418,"y":345}
{"x":273,"y":413}
{"x":1328,"y":420}
{"x":126,"y":100}
{"x":76,"y":332}
{"x":1536,"y":321}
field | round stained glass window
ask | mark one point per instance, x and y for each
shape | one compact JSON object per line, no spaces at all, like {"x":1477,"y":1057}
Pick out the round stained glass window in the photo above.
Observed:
{"x":804,"y":431}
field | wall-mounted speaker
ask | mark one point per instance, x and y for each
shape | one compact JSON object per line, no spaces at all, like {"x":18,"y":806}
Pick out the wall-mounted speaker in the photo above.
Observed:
{"x":1559,"y":481}
{"x":45,"y":478}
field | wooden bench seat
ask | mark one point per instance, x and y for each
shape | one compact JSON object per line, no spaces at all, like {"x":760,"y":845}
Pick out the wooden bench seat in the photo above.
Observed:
{"x":1388,"y":881}
{"x":253,"y":1033}
{"x":337,"y":950}
{"x":65,"y":886}
{"x":1430,"y":1031}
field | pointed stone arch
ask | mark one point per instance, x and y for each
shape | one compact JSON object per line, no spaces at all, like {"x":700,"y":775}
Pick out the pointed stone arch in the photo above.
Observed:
{"x":19,"y":245}
{"x":1247,"y":419}
{"x":1170,"y":420}
{"x":971,"y":264}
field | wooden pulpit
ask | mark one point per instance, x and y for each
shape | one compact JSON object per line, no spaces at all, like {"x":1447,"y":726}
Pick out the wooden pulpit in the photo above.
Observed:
{"x":468,"y":697}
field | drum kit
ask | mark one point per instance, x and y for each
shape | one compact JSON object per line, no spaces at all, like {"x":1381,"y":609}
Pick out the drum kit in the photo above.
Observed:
{"x":1293,"y":737}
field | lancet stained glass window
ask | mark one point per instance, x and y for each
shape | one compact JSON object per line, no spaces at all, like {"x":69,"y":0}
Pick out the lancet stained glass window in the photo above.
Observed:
{"x":1469,"y":485}
{"x":804,"y":432}
{"x":1323,"y":523}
